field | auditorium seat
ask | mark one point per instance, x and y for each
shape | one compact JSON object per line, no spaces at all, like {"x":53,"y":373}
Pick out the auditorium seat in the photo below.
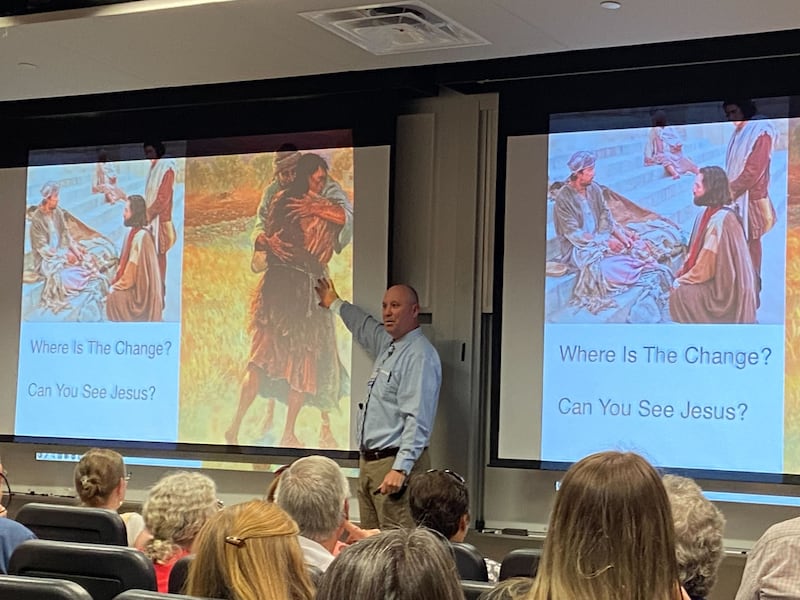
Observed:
{"x":103,"y":570}
{"x":469,"y":562}
{"x":179,"y":573}
{"x":522,"y":562}
{"x":73,"y":523}
{"x":13,"y":587}
{"x":473,"y":589}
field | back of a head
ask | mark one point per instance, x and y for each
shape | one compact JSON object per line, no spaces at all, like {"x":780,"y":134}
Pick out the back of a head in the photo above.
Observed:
{"x":514,"y":588}
{"x":610,"y":534}
{"x":97,"y":475}
{"x":402,"y":564}
{"x":699,"y":527}
{"x":438,"y":500}
{"x":249,"y":552}
{"x":176,"y":508}
{"x":313,"y":490}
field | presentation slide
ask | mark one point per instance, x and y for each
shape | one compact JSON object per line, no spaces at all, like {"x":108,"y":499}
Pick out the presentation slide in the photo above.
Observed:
{"x":168,"y":291}
{"x":668,"y":295}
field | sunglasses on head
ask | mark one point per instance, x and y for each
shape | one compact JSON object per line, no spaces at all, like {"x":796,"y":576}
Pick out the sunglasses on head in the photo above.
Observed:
{"x":452,"y":474}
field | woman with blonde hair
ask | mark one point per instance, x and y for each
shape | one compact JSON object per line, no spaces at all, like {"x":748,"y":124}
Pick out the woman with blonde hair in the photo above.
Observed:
{"x":249,"y":552}
{"x":177,"y":507}
{"x":101,"y":482}
{"x":610,"y":535}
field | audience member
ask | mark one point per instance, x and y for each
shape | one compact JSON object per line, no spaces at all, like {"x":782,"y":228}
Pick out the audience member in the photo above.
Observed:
{"x":610,"y":536}
{"x":353,"y":531}
{"x":176,"y":509}
{"x":515,"y":588}
{"x":101,"y":482}
{"x":771,"y":568}
{"x":314,"y":491}
{"x":12,"y":534}
{"x":439,"y":500}
{"x":698,"y":535}
{"x":249,"y":552}
{"x":401,"y":564}
{"x":272,"y":488}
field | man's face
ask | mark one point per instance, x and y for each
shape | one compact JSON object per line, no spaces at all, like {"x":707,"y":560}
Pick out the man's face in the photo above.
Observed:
{"x":585,"y":176}
{"x":699,"y":188}
{"x":126,"y":213}
{"x":734,"y":113}
{"x":317,"y":180}
{"x":286,"y":177}
{"x":150,"y":152}
{"x":399,"y":311}
{"x":52,"y":201}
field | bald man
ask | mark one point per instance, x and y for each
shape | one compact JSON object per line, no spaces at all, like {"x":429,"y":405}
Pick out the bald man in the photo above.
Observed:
{"x":395,"y":420}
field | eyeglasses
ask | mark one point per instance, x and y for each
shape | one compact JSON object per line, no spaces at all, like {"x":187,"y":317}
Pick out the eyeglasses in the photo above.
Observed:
{"x":128,"y":476}
{"x":452,"y":474}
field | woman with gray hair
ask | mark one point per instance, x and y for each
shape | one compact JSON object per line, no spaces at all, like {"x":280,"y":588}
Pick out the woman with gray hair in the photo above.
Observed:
{"x":176,"y":508}
{"x":402,"y":564}
{"x":699,"y":527}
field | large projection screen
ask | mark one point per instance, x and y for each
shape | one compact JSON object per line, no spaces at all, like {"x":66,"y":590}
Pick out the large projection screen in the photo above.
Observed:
{"x":93,"y":366}
{"x":601,"y":349}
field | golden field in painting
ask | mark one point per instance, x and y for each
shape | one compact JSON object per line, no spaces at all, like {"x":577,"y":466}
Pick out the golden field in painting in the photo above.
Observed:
{"x":222,"y":195}
{"x":791,"y":407}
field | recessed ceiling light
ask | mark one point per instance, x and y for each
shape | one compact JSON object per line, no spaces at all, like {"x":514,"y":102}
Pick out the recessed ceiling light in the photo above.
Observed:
{"x":611,"y":4}
{"x":27,"y":65}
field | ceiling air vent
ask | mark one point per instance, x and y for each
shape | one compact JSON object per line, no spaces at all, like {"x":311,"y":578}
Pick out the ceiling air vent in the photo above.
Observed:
{"x":395,"y":28}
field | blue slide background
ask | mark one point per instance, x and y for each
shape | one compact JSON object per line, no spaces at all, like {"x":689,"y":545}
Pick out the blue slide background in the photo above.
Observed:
{"x":751,"y":441}
{"x":59,"y":416}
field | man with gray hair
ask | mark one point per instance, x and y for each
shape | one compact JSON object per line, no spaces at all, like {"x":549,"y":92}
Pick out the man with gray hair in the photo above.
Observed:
{"x":314,"y":491}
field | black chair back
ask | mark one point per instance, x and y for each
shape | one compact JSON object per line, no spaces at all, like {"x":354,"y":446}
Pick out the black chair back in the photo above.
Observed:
{"x":473,"y":589}
{"x":33,"y":588}
{"x":148,"y":595}
{"x":102,"y":570}
{"x":469,"y":562}
{"x":73,"y":523}
{"x":177,"y":576}
{"x":522,"y":562}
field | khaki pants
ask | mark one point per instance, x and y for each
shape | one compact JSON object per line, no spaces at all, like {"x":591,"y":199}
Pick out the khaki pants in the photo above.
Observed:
{"x":379,"y":511}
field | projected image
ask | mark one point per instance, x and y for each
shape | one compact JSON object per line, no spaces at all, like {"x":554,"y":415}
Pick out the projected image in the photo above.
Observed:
{"x":668,"y":224}
{"x":678,"y":236}
{"x":261,"y":362}
{"x":97,"y":241}
{"x":172,"y":299}
{"x":670,"y":292}
{"x":792,"y":344}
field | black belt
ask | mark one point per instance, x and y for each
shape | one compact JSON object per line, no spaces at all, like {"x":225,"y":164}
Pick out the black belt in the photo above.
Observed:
{"x":370,"y":455}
